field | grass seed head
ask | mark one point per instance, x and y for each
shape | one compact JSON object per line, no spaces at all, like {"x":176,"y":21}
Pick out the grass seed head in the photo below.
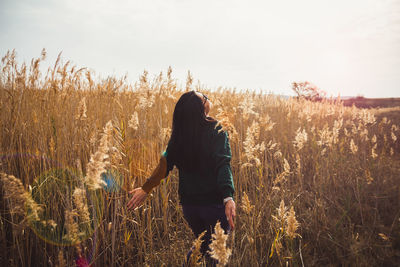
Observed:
{"x":81,"y":114}
{"x":71,"y":226}
{"x":79,"y":196}
{"x":99,"y":160}
{"x":246,"y":204}
{"x":291,"y":224}
{"x":61,"y":260}
{"x":300,"y":139}
{"x":133,"y":123}
{"x":196,"y":255}
{"x":353,"y":147}
{"x":20,"y":201}
{"x":218,"y":248}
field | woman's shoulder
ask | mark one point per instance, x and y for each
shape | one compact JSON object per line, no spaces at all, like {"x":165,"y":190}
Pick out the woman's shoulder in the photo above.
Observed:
{"x":217,"y":130}
{"x":224,"y":129}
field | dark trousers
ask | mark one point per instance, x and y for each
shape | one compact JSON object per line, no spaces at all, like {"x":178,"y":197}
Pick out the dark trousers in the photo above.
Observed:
{"x":204,"y":217}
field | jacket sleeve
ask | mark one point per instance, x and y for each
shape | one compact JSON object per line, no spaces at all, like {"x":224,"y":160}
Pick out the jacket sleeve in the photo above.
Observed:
{"x":222,"y":157}
{"x":162,"y":170}
{"x":158,"y":174}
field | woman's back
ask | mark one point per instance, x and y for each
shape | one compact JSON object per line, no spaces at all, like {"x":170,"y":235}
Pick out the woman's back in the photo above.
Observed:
{"x":211,"y":181}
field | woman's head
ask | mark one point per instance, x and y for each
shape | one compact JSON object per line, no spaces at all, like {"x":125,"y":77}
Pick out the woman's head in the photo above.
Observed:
{"x":190,"y":106}
{"x":206,"y":102}
{"x":189,"y":121}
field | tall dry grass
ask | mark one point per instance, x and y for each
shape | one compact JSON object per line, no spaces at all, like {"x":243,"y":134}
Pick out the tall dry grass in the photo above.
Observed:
{"x":316,"y":183}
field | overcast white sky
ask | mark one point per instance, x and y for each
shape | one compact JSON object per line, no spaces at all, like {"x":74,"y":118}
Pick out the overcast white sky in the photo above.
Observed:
{"x":351,"y":47}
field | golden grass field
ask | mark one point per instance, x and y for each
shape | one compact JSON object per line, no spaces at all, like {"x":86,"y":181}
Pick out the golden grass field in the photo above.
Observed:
{"x":317,"y":183}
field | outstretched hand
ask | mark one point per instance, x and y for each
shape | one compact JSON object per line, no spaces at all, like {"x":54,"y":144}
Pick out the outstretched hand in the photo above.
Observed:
{"x":230,"y":212}
{"x":139,"y":196}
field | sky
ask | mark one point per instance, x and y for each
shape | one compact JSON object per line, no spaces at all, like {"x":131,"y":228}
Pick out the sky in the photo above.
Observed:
{"x":346,"y":47}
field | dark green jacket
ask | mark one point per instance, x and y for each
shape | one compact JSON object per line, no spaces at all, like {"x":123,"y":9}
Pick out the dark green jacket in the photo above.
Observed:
{"x":215,"y":182}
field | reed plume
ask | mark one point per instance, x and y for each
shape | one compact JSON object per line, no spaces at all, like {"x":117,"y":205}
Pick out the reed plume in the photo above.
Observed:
{"x":218,"y":249}
{"x":353,"y":147}
{"x":79,"y":196}
{"x":246,"y":204}
{"x":196,"y":255}
{"x":81,"y":114}
{"x":99,"y":160}
{"x":300,"y":139}
{"x":133,"y":123}
{"x":20,"y":201}
{"x":61,"y":260}
{"x":71,"y":226}
{"x":291,"y":224}
{"x":281,"y":214}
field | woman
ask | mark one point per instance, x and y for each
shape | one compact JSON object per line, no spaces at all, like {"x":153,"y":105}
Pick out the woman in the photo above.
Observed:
{"x":201,"y":152}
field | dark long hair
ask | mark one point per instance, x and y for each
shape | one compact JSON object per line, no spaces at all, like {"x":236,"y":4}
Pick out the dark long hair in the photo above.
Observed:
{"x":188,"y":124}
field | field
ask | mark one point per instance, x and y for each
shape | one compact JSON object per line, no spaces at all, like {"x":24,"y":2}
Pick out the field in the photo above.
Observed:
{"x":317,"y":183}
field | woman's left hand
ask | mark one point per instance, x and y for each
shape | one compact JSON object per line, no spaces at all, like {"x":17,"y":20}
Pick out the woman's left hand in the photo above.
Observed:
{"x":230,"y":212}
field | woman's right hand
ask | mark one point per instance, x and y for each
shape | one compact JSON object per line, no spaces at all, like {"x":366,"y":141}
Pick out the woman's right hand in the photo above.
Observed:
{"x":230,"y":212}
{"x":139,"y":196}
